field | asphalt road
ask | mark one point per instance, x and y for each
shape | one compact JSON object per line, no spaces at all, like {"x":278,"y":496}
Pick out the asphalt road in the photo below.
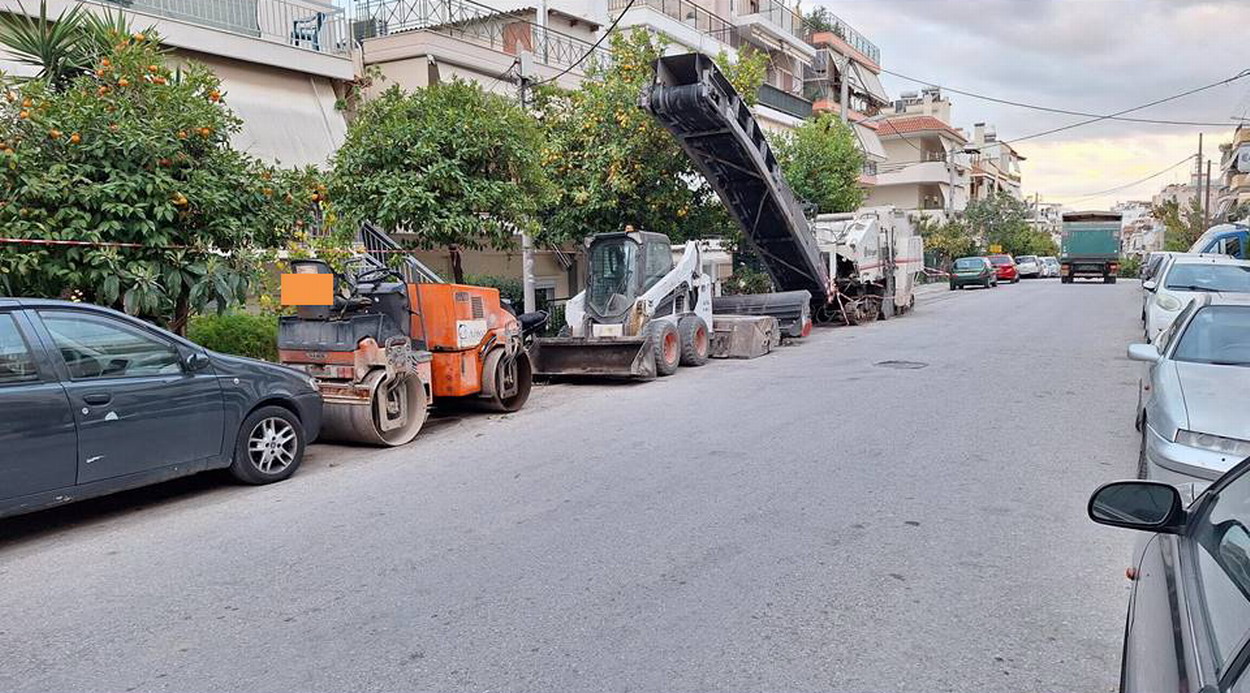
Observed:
{"x":811,"y":520}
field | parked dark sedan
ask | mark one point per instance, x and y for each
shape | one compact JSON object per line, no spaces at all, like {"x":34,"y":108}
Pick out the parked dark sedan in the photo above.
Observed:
{"x":973,"y":271}
{"x":93,"y":401}
{"x":1188,"y":623}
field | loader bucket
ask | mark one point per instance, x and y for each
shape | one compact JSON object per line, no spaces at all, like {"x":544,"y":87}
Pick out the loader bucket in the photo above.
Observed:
{"x":625,"y":357}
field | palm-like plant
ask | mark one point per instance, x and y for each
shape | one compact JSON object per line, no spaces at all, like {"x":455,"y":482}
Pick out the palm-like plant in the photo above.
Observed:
{"x":62,"y":47}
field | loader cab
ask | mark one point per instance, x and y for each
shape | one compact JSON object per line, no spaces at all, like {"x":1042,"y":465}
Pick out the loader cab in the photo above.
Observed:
{"x":623,"y":266}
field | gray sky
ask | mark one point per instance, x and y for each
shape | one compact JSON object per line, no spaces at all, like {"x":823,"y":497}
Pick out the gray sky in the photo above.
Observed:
{"x":1098,"y":56}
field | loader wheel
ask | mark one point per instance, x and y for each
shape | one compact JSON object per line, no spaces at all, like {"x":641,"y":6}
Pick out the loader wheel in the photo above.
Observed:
{"x":269,"y":447}
{"x":666,"y":346}
{"x":694,"y":340}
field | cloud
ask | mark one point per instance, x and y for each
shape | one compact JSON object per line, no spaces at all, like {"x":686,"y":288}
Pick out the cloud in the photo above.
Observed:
{"x":1097,"y":56}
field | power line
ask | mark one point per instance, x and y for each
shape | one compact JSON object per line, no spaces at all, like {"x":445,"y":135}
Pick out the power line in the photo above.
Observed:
{"x":1049,"y":109}
{"x":1118,"y":188}
{"x":1156,"y":102}
{"x":590,"y":50}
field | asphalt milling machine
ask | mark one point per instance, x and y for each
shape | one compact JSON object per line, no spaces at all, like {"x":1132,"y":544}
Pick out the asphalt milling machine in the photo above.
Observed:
{"x":640,"y":315}
{"x":398,"y":339}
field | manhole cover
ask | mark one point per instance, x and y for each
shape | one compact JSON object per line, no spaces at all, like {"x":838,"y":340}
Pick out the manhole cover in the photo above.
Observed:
{"x":902,"y":365}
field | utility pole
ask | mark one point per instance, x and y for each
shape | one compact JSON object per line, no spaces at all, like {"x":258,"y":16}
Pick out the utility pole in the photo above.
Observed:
{"x":1198,"y":175}
{"x":525,"y":66}
{"x":1206,"y":203}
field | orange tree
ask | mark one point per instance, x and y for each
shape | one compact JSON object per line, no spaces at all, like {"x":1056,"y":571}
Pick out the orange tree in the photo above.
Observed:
{"x":129,"y":151}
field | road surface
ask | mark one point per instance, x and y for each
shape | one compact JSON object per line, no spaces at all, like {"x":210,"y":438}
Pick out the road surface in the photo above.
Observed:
{"x":818,"y":519}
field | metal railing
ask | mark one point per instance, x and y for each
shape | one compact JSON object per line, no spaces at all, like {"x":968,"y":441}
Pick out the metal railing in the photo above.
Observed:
{"x":688,"y":13}
{"x":304,"y":25}
{"x":834,"y":24}
{"x":784,"y":101}
{"x":476,"y":23}
{"x":776,"y":12}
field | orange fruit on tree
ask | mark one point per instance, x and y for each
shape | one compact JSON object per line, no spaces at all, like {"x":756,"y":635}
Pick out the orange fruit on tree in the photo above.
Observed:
{"x":123,"y":82}
{"x":24,"y":115}
{"x":27,"y":103}
{"x":205,"y":132}
{"x":139,"y":37}
{"x":105,"y":62}
{"x":153,"y":68}
{"x":114,"y":127}
{"x":54,"y":134}
{"x":75,"y":138}
{"x":182,"y":134}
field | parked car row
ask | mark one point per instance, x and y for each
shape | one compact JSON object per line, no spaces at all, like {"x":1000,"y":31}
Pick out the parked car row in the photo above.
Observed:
{"x":1188,"y":624}
{"x":988,"y":270}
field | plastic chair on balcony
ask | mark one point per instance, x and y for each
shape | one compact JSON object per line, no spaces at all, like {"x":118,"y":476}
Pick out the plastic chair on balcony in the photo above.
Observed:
{"x":306,"y":33}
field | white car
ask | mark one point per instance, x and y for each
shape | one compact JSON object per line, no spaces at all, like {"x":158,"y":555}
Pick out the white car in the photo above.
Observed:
{"x":1029,"y":266}
{"x":1186,"y":276}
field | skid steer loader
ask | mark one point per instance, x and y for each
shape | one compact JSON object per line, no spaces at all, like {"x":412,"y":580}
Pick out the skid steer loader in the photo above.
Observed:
{"x":640,"y":314}
{"x":396,"y":340}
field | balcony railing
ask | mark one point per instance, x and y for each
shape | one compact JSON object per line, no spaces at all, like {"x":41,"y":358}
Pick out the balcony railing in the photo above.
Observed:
{"x":833,"y":24}
{"x":774,"y":11}
{"x":306,"y":25}
{"x":687,"y":13}
{"x":784,"y":101}
{"x":476,"y":23}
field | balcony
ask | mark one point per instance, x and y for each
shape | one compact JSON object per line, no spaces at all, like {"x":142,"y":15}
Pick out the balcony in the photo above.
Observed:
{"x":784,"y":101}
{"x":475,"y":23}
{"x":688,"y":13}
{"x":832,"y":24}
{"x":772,"y":24}
{"x":308,"y":24}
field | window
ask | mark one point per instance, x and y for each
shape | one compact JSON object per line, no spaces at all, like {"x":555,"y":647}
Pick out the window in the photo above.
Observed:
{"x":1232,"y":246}
{"x":659,"y":263}
{"x":1205,"y":276}
{"x":98,"y":347}
{"x":1223,"y":538}
{"x":1217,"y":335}
{"x":16,"y":363}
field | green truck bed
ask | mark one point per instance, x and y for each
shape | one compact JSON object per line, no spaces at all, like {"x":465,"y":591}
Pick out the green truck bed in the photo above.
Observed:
{"x":1091,"y":239}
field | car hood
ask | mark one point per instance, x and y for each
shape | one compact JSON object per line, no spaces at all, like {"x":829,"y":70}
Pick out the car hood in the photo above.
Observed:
{"x":1213,"y":397}
{"x":231,"y":365}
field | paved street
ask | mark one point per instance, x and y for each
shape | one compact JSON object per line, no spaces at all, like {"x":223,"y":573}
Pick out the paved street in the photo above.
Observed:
{"x":805,"y":521}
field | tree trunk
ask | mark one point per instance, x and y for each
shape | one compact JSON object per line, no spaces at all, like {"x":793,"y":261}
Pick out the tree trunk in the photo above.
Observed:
{"x":182,"y":314}
{"x":457,"y":270}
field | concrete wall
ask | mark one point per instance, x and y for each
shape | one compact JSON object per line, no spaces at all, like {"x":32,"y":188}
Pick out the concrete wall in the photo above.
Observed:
{"x":548,"y":273}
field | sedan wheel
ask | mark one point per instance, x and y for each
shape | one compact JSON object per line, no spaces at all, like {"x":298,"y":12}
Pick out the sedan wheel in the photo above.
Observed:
{"x":269,"y":448}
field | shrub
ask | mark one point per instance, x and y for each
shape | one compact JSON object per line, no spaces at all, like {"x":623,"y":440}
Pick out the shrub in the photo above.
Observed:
{"x":509,"y":288}
{"x":242,"y":334}
{"x":1130,"y":266}
{"x":746,"y":280}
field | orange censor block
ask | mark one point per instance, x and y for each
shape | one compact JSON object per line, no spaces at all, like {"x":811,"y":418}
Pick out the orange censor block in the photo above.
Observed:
{"x":307,"y":289}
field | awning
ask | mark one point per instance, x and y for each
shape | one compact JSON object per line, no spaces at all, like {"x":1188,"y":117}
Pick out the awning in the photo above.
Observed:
{"x":869,"y":143}
{"x":287,"y":117}
{"x":868,"y":82}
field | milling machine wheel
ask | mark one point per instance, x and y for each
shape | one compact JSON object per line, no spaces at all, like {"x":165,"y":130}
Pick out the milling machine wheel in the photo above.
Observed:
{"x":401,"y":404}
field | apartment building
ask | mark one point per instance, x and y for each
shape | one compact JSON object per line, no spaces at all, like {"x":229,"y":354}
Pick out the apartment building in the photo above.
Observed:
{"x":1046,"y":217}
{"x":1185,"y":193}
{"x":1141,"y":233}
{"x":282,"y":63}
{"x":845,"y":58}
{"x":927,"y":167}
{"x":995,"y":165}
{"x":1232,"y":196}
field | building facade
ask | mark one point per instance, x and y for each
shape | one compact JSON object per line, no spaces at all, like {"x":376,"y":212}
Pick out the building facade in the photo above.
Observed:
{"x":995,"y":165}
{"x":1232,"y":196}
{"x":928,"y":169}
{"x":283,"y":64}
{"x":1140,"y":233}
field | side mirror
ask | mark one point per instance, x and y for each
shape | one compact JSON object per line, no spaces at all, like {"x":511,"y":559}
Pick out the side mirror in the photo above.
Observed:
{"x":1143,"y":352}
{"x":1150,"y":506}
{"x":1150,"y":285}
{"x":195,"y":361}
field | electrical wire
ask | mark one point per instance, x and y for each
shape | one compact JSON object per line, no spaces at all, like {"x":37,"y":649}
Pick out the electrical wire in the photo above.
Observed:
{"x":1049,"y":109}
{"x":1118,"y":188}
{"x":1156,"y":102}
{"x":592,"y":49}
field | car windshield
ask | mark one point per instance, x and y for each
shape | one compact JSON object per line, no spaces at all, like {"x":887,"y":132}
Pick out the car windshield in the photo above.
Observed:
{"x":1209,"y":277}
{"x":613,"y":264}
{"x":1025,"y":258}
{"x":1218,"y":335}
{"x":1000,"y":260}
{"x":969,"y":263}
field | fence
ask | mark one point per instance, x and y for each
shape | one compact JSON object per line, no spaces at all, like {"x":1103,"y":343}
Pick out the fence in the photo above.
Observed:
{"x":303,"y":25}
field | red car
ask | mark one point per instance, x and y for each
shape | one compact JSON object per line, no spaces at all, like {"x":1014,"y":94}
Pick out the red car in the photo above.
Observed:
{"x":1005,"y":266}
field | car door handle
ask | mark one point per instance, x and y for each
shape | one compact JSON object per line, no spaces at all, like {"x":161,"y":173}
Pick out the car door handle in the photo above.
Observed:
{"x":97,"y":398}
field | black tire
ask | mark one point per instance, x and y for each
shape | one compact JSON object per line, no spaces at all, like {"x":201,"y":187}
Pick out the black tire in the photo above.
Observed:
{"x":696,"y":343}
{"x":987,"y":284}
{"x":665,"y":346}
{"x":1141,"y":454}
{"x":1016,"y":280}
{"x":1108,"y":280}
{"x":953,"y":287}
{"x":268,"y":437}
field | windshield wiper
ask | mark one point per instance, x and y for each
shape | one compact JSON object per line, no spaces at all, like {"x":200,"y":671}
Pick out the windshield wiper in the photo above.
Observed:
{"x":1191,"y":287}
{"x":1229,"y":363}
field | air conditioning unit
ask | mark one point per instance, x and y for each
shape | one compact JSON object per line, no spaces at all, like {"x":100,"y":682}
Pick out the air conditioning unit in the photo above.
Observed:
{"x":368,"y":28}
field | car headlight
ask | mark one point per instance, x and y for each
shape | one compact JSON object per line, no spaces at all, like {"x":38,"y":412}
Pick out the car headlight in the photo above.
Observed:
{"x":1168,"y":303}
{"x":1206,"y":441}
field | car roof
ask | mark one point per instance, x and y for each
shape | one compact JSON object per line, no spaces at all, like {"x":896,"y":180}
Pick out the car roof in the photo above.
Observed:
{"x":1207,"y":259}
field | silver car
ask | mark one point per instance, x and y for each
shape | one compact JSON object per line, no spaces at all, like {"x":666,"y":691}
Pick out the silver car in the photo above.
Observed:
{"x":1192,"y":404}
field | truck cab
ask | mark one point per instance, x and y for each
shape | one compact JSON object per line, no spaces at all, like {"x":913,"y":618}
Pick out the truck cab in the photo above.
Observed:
{"x":1224,"y":239}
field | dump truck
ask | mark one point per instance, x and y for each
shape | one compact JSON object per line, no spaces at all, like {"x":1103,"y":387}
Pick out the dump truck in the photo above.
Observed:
{"x":873,"y":255}
{"x":397,"y":339}
{"x":1090,"y":247}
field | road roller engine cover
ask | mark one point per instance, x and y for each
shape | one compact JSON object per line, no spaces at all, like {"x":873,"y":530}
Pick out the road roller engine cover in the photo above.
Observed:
{"x":387,"y":348}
